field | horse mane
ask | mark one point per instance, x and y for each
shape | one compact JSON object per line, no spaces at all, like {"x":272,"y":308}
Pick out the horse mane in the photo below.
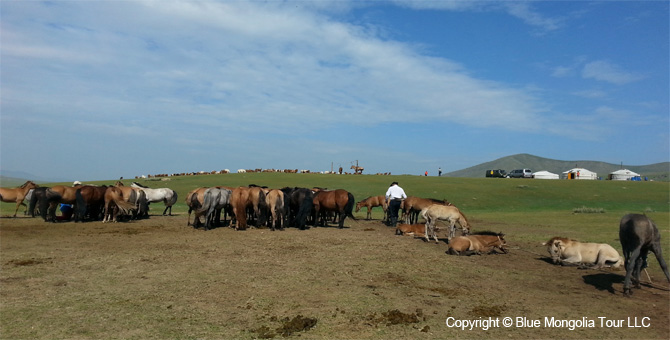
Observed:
{"x":26,"y":184}
{"x":140,"y":185}
{"x":487,"y":233}
{"x":563,"y":239}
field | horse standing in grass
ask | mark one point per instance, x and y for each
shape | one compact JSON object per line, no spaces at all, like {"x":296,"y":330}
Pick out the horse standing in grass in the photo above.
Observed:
{"x":137,"y":197}
{"x":90,"y":200}
{"x":17,"y":195}
{"x":484,"y":241}
{"x":441,"y":212}
{"x":275,"y":203}
{"x":371,"y":202}
{"x":165,"y":195}
{"x":194,"y":201}
{"x":55,"y":195}
{"x":339,"y":201}
{"x":412,"y":206}
{"x":300,"y":204}
{"x":116,"y":204}
{"x":639,"y":235}
{"x":215,"y":199}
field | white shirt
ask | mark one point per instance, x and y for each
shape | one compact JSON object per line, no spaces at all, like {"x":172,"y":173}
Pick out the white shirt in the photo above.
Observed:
{"x":395,"y":191}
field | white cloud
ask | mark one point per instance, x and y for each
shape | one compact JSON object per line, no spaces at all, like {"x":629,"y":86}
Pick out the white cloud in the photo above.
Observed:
{"x":605,"y":71}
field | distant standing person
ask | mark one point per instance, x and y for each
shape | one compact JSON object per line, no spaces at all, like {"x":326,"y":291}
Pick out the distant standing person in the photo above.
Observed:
{"x":439,"y":172}
{"x":426,"y":174}
{"x":394,"y":196}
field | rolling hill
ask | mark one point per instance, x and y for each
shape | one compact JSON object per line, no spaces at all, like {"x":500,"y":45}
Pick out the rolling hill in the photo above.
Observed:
{"x":659,"y":171}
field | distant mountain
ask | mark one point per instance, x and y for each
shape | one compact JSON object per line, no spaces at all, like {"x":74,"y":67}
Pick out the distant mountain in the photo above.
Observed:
{"x":10,"y":178}
{"x":659,"y":171}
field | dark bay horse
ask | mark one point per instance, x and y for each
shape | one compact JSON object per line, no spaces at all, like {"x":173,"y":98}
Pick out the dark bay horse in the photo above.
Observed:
{"x":17,"y":195}
{"x":300,"y":204}
{"x":90,"y":202}
{"x":412,"y":206}
{"x":371,"y":202}
{"x":338,"y":201}
{"x":639,"y":235}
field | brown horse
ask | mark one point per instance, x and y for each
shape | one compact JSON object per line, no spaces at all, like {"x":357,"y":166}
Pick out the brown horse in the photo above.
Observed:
{"x":17,"y":195}
{"x":115,"y":204}
{"x":194,"y":201}
{"x":137,"y":197}
{"x":275,"y":203}
{"x":484,"y":241}
{"x":371,"y":202}
{"x":90,"y":199}
{"x":240,"y":201}
{"x":412,"y":206}
{"x":55,"y":195}
{"x":257,"y":206}
{"x":339,"y":201}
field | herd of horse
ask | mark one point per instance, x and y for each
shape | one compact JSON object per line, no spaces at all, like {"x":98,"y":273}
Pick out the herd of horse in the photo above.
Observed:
{"x":90,"y":202}
{"x":275,"y":208}
{"x":298,"y":207}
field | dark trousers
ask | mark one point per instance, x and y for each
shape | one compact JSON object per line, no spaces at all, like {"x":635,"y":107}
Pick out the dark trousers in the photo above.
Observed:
{"x":394,"y":206}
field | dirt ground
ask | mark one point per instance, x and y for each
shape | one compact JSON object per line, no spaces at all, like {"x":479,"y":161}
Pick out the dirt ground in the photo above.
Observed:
{"x":158,"y":278}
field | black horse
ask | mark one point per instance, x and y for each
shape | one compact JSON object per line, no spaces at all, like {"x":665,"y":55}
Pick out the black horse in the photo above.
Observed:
{"x":639,"y":235}
{"x":300,"y":205}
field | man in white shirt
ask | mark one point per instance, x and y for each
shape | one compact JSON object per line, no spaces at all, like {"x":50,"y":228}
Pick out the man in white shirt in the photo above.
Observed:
{"x":394,"y":196}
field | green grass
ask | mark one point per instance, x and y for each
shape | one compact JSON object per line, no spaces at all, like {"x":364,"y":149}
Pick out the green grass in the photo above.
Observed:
{"x":472,"y":195}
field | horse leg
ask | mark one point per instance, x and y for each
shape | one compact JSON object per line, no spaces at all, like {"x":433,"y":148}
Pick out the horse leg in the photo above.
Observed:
{"x":166,"y":209}
{"x":369,"y":215}
{"x":631,"y":264}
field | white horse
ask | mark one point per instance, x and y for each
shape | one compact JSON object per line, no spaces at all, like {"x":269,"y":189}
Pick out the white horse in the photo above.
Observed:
{"x":444,"y":212}
{"x":598,"y":255}
{"x":165,"y":195}
{"x":214,"y":200}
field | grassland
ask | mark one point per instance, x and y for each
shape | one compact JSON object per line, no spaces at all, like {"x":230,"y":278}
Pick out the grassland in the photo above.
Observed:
{"x":157,"y":278}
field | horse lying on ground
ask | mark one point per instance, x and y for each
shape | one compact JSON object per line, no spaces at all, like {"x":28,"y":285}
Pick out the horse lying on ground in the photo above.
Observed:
{"x":477,"y":243}
{"x":595,"y":255}
{"x":416,"y":230}
{"x":442,"y":212}
{"x":639,"y":235}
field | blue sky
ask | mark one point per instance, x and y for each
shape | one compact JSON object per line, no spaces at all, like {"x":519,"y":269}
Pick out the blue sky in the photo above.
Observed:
{"x":95,"y":90}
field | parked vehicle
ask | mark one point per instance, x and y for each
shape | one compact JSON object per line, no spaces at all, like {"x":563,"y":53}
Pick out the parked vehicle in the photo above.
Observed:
{"x":499,"y":173}
{"x":520,"y":173}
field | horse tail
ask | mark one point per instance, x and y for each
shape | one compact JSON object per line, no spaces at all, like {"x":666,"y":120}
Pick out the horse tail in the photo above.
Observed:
{"x":303,"y":211}
{"x":32,"y":203}
{"x":80,"y":210}
{"x":349,"y":207}
{"x":171,"y":200}
{"x":125,"y":207}
{"x":45,"y":201}
{"x":207,"y":201}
